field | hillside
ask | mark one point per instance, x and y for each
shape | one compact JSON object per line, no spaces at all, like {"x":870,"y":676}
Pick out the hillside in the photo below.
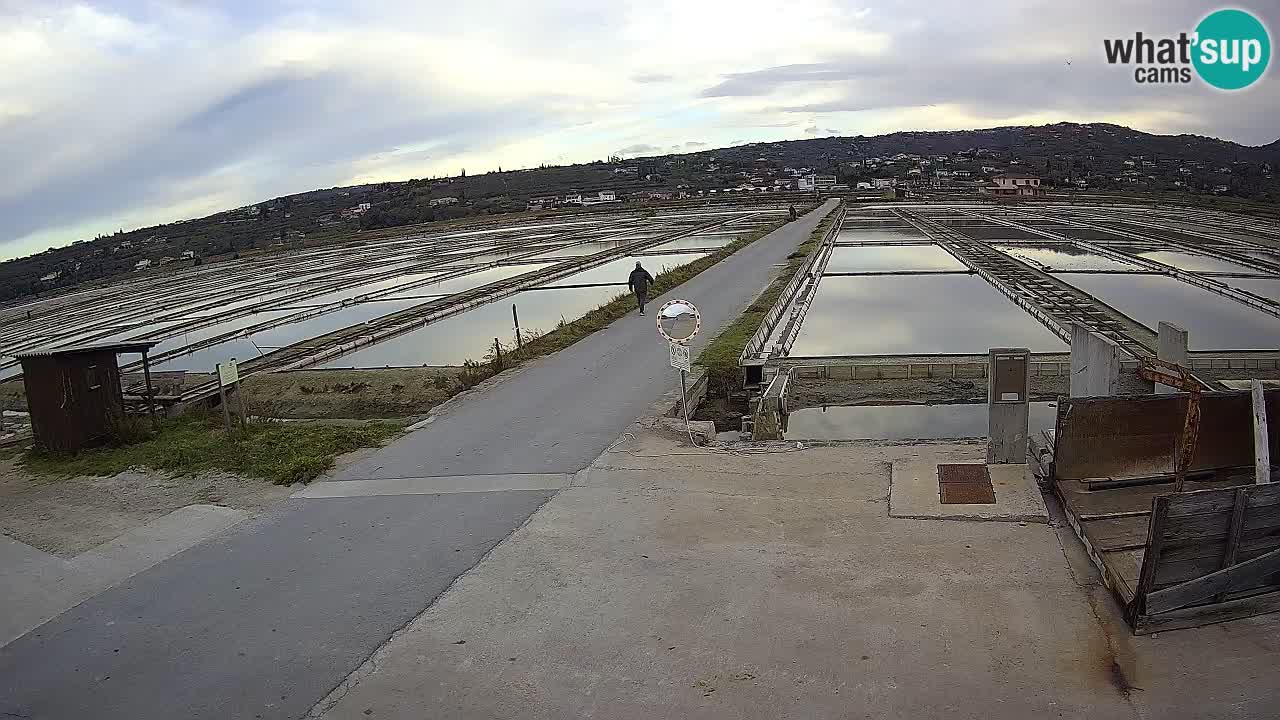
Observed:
{"x":1098,"y":156}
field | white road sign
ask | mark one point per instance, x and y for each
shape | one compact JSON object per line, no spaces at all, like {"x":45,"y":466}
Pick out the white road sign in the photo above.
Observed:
{"x":680,"y":356}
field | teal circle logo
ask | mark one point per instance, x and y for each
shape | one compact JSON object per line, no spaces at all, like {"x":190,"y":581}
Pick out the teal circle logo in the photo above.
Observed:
{"x":1232,"y":49}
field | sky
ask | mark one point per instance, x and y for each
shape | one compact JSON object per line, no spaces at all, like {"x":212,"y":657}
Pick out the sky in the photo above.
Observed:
{"x":131,"y":113}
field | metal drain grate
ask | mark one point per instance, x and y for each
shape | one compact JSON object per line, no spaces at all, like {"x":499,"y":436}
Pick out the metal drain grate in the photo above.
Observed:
{"x":960,"y":484}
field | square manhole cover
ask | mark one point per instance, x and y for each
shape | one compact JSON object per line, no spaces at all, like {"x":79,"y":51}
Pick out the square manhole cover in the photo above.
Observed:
{"x":965,"y":484}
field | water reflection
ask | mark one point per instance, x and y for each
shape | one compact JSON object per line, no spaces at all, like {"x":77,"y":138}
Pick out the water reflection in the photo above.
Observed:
{"x":470,"y":335}
{"x":1191,"y":262}
{"x":904,"y":422}
{"x":1063,"y":257}
{"x":915,"y":314}
{"x":886,"y":258}
{"x":1213,"y":321}
{"x":880,"y":234}
{"x":1258,"y":286}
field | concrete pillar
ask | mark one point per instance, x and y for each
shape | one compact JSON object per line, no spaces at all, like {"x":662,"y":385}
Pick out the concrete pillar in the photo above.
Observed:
{"x":1008,"y":393}
{"x":1172,"y":348}
{"x":1079,"y":360}
{"x":1095,"y":363}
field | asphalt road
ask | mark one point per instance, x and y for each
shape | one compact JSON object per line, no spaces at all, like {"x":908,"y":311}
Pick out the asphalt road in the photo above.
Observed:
{"x":264,"y":620}
{"x":567,"y":408}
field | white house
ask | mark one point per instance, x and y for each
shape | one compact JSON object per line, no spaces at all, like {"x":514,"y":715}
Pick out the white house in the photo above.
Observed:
{"x":864,"y":186}
{"x":142,"y":264}
{"x":824,"y":181}
{"x":443,"y":201}
{"x":1014,"y":185}
{"x":882,"y":183}
{"x":805,"y":183}
{"x":188,"y":255}
{"x":573,"y":199}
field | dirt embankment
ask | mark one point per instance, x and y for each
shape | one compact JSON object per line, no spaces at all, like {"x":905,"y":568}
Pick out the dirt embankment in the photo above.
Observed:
{"x":360,"y":394}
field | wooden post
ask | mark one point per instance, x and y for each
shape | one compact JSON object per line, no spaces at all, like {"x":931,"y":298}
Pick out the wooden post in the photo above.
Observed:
{"x":146,"y":374}
{"x":222,"y":398}
{"x":1233,"y":534}
{"x":516,"y":319}
{"x":244,"y":414}
{"x":1261,"y":439}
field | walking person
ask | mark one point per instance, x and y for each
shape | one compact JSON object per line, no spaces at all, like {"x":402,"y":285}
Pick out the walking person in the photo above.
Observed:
{"x":639,"y":283}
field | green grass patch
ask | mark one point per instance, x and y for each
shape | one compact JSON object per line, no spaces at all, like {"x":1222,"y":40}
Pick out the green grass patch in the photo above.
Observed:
{"x":280,"y":452}
{"x":721,"y":356}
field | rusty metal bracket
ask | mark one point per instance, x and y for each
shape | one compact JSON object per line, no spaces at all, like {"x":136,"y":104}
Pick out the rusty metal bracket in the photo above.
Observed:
{"x":1177,"y":376}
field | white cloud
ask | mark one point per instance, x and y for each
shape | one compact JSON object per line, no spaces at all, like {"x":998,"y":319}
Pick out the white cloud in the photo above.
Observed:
{"x":148,"y":112}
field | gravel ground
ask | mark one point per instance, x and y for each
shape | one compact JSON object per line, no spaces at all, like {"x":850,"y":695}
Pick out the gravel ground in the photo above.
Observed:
{"x":70,"y":515}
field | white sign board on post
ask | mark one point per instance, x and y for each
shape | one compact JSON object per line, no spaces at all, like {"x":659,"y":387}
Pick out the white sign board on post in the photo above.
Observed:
{"x":228,"y":373}
{"x":228,"y":376}
{"x":680,"y":357}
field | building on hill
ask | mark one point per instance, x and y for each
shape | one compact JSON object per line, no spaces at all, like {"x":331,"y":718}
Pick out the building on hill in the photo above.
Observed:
{"x":1014,"y":185}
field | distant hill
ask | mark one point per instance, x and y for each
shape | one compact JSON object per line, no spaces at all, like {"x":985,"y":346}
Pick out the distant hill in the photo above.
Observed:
{"x":1101,"y":155}
{"x":1101,"y":140}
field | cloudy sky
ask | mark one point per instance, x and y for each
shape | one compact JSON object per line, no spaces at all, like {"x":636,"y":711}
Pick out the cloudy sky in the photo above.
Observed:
{"x":127,"y":113}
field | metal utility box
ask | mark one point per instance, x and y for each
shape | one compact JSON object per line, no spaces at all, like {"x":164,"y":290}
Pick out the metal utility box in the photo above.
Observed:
{"x":1009,"y":390}
{"x":74,"y":395}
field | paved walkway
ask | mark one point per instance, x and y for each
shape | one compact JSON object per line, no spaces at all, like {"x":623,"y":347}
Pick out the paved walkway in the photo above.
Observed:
{"x":671,"y":583}
{"x":265,"y":620}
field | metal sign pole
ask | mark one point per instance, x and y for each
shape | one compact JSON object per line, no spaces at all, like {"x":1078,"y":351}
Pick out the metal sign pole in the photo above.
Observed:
{"x":684,"y":400}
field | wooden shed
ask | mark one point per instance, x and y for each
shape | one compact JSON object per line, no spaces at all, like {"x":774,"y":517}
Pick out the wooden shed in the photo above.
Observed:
{"x":74,"y":394}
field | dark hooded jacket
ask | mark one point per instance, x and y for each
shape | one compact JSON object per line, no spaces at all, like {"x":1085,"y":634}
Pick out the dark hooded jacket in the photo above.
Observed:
{"x":640,"y":280}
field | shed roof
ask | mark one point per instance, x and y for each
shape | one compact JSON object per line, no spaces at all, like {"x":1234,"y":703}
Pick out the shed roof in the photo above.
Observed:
{"x":120,"y":347}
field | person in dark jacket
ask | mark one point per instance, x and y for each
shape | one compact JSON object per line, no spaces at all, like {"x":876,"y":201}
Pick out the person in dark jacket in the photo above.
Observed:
{"x":639,"y":283}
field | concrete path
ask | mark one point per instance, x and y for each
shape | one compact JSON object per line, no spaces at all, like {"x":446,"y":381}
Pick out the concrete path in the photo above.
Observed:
{"x":670,"y":582}
{"x":266,"y":619}
{"x":36,"y":586}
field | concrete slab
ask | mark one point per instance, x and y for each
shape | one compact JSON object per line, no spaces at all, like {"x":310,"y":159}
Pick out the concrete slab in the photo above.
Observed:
{"x":435,"y":485}
{"x":164,"y":537}
{"x":681,"y":583}
{"x":264,"y":637}
{"x":914,"y":494}
{"x":36,"y":586}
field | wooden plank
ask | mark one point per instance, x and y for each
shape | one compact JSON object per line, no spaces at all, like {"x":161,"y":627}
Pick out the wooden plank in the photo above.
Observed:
{"x":1135,"y":436}
{"x":1114,"y":515}
{"x":1224,"y":580}
{"x":1159,"y":514}
{"x":1215,"y":500}
{"x":1261,"y":444}
{"x":1237,"y":526}
{"x":1216,"y":526}
{"x":1122,"y":533}
{"x":1201,"y":615}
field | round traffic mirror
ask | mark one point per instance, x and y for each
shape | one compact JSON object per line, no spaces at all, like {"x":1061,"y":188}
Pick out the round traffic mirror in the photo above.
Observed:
{"x":679,"y":320}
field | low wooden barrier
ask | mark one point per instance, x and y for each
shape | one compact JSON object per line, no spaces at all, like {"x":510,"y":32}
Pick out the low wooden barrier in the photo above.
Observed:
{"x":1174,"y":559}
